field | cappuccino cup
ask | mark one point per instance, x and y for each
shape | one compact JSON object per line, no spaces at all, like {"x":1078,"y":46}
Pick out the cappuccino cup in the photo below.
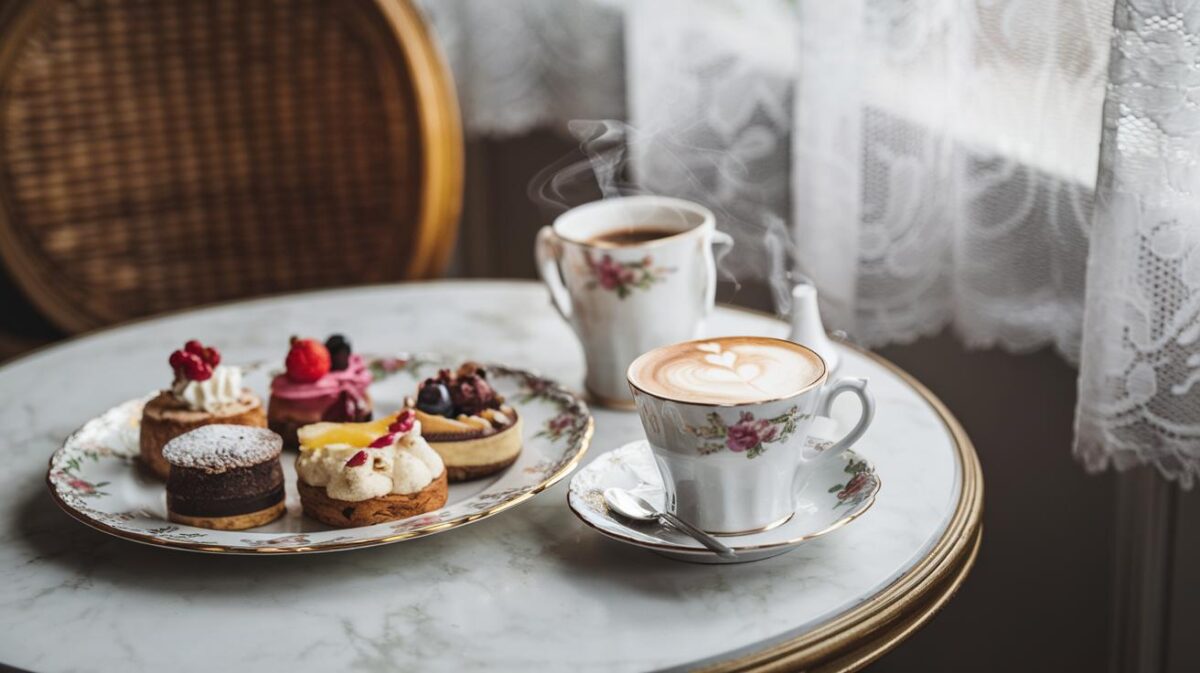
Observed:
{"x":630,"y":274}
{"x":727,"y":420}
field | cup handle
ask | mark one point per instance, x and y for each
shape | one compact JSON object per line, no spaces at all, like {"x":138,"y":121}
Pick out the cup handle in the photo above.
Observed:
{"x":857,"y":386}
{"x":721,"y":243}
{"x":547,"y":250}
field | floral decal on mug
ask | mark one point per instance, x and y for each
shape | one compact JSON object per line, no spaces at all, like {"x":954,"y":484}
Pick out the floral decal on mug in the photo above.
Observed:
{"x":624,"y":277}
{"x":748,"y":435}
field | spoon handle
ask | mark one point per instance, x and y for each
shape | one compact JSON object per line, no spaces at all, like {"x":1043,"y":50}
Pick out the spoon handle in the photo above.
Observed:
{"x":698,"y":535}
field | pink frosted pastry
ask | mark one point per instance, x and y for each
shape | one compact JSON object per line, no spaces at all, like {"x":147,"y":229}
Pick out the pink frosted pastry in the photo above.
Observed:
{"x":323,"y":382}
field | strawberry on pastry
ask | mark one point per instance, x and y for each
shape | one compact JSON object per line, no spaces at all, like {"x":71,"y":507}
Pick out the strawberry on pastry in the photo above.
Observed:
{"x":321,"y":382}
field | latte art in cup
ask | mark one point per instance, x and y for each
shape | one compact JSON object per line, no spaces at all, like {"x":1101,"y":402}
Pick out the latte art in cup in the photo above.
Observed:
{"x":730,"y":370}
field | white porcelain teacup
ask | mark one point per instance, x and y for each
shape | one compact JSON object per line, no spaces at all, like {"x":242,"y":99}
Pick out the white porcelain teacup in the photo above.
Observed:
{"x":630,"y":274}
{"x":727,"y":420}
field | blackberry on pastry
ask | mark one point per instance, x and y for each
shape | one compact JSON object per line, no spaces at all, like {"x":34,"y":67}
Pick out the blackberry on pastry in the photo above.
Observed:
{"x":322,"y":382}
{"x":467,"y":422}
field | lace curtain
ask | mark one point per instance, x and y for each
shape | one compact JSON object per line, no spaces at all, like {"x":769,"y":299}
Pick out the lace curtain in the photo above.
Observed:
{"x":1023,"y":170}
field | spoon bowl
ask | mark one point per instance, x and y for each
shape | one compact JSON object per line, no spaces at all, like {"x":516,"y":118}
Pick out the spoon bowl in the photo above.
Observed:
{"x":637,"y":508}
{"x":629,"y":505}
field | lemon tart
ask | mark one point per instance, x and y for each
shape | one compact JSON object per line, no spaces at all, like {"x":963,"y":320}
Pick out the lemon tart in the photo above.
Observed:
{"x":359,"y":474}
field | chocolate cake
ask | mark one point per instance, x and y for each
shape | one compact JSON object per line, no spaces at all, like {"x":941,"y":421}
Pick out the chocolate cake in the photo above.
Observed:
{"x":226,"y":477}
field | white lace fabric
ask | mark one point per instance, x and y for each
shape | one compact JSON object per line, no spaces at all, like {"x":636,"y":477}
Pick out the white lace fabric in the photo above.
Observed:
{"x":1001,"y":166}
{"x":1140,"y":374}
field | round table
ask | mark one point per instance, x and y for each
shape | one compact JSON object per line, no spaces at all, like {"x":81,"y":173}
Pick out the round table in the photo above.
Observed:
{"x":530,"y":588}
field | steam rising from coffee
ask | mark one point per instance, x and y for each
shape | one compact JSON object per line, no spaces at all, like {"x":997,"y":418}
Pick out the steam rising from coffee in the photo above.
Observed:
{"x":615,"y":159}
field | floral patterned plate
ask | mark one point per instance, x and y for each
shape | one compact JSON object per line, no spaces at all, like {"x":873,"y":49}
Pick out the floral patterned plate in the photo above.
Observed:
{"x":835,"y":495}
{"x":94,"y":478}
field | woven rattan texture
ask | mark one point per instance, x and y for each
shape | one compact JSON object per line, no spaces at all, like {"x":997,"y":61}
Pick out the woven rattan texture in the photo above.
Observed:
{"x":165,"y":154}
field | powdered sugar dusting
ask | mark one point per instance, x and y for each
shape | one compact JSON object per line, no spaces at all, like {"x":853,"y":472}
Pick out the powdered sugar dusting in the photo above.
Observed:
{"x":218,"y":447}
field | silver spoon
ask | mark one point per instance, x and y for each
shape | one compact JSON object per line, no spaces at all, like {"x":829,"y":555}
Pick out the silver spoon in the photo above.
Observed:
{"x":633,"y":507}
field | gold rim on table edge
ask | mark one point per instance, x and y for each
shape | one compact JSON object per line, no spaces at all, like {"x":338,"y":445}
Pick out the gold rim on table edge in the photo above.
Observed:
{"x":904,"y":626}
{"x":823,"y":644}
{"x":679,"y":549}
{"x":584,"y":444}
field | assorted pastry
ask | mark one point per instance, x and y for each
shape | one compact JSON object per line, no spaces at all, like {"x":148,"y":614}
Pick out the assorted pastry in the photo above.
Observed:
{"x":358,"y":474}
{"x":219,"y":450}
{"x":226,"y":477}
{"x":202,"y":392}
{"x":322,"y":382}
{"x":467,"y":422}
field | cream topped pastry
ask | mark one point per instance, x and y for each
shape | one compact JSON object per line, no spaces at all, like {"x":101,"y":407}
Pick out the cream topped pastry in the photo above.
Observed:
{"x":203,"y":392}
{"x":355,"y":474}
{"x":322,"y":382}
{"x":397,"y":461}
{"x":467,"y":422}
{"x":222,"y":388}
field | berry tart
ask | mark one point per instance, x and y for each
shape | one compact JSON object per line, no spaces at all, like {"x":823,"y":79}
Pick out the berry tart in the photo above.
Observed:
{"x":323,"y":382}
{"x":359,"y":474}
{"x":225,"y":477}
{"x":467,"y":422}
{"x":203,"y":392}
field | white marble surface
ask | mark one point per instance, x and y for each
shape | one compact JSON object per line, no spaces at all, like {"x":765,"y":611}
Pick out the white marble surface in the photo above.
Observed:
{"x":533,"y":587}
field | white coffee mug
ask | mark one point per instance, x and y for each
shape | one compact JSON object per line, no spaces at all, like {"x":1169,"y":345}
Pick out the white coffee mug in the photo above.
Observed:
{"x":735,"y":467}
{"x":625,"y":297}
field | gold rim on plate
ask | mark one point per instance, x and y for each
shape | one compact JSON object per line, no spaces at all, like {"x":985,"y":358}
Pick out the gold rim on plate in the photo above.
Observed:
{"x":154,"y":541}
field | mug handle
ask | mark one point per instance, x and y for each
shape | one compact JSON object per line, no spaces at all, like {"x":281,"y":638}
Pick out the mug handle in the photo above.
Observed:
{"x":547,"y":250}
{"x":857,"y":386}
{"x":722,"y":244}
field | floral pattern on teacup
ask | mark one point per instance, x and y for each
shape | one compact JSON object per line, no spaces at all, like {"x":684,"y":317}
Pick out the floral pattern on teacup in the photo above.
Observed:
{"x":624,"y":277}
{"x":749,"y":435}
{"x":862,"y":484}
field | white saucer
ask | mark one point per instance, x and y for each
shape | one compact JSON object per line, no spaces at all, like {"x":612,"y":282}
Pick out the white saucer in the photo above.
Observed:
{"x":837,"y":494}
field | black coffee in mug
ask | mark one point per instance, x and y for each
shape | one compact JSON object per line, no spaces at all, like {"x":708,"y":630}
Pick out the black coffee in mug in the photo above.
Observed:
{"x":631,"y":236}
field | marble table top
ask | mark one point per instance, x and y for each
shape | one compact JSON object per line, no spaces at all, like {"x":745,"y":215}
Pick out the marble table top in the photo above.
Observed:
{"x":530,"y":588}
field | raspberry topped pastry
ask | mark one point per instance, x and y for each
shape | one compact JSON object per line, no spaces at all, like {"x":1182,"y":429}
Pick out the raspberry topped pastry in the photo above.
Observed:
{"x":467,"y":423}
{"x":323,"y":382}
{"x":203,"y":392}
{"x":358,"y":474}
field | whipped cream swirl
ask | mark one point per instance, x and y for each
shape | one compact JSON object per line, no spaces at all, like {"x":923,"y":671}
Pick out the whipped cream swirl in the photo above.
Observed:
{"x":222,"y":389}
{"x":407,"y":465}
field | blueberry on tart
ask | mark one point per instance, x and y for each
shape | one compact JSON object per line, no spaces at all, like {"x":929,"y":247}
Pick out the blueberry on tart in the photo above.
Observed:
{"x":467,"y":422}
{"x":359,"y":474}
{"x":225,"y":477}
{"x":203,"y":392}
{"x":323,"y":382}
